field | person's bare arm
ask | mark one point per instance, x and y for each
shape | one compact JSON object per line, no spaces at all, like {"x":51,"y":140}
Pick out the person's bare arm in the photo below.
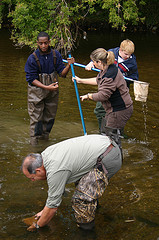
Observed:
{"x":90,"y":81}
{"x":67,"y":68}
{"x":44,"y":217}
{"x":51,"y":87}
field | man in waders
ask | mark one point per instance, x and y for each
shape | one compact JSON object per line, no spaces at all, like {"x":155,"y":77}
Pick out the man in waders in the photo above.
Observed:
{"x":41,"y":70}
{"x":89,"y":161}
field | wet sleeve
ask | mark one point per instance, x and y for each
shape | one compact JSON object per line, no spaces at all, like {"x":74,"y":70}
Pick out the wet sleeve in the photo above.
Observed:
{"x":31,"y":69}
{"x":56,"y":184}
{"x":105,"y":90}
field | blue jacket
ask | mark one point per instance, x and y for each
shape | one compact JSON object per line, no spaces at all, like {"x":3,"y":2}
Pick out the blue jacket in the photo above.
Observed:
{"x":127,"y":67}
{"x":46,"y":63}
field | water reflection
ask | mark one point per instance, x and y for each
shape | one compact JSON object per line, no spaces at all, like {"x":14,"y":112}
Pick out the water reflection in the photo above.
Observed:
{"x":129,"y":207}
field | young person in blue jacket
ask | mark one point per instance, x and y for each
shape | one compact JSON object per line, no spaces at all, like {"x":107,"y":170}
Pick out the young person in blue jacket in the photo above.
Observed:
{"x":41,"y":69}
{"x":126,"y":62}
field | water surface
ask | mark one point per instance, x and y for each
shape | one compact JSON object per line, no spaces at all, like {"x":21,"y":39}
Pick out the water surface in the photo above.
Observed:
{"x":129,"y":208}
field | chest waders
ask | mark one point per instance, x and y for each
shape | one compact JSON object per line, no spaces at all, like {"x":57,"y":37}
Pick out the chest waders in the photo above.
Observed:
{"x":84,"y":200}
{"x":42,"y":104}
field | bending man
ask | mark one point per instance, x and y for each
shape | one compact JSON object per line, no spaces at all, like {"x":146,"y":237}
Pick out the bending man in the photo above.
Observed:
{"x":89,"y":161}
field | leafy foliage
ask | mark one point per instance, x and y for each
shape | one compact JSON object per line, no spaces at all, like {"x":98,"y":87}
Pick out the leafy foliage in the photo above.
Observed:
{"x":149,"y":11}
{"x":31,"y":17}
{"x":121,"y":12}
{"x":5,"y":8}
{"x":58,"y":18}
{"x":63,"y":19}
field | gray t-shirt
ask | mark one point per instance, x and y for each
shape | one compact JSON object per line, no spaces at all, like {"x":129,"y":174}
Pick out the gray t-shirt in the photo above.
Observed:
{"x":68,"y":161}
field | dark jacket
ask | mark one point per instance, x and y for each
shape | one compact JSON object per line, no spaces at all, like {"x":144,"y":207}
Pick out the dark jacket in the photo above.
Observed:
{"x":46,"y":63}
{"x":112,"y":90}
{"x":127,"y":67}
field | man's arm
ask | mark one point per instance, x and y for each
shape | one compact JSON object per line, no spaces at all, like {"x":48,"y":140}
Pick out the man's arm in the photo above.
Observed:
{"x":46,"y":216}
{"x":44,"y":219}
{"x":51,"y":87}
{"x":56,"y":186}
{"x":67,"y":68}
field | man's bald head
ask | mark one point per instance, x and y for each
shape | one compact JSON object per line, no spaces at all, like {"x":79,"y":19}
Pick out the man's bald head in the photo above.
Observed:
{"x":31,"y":162}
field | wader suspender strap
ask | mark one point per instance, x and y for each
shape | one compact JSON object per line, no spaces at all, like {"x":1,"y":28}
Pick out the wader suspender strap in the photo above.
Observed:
{"x":99,"y":160}
{"x":38,"y":62}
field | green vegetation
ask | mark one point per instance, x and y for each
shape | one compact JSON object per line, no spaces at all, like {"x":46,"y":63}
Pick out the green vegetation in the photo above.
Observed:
{"x":65,"y":19}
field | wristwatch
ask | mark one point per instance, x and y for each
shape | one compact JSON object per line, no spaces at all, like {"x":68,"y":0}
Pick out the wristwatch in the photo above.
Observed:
{"x":36,"y":225}
{"x":88,"y":96}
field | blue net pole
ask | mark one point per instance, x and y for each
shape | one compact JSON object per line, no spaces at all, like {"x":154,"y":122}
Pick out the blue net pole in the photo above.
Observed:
{"x":78,"y":98}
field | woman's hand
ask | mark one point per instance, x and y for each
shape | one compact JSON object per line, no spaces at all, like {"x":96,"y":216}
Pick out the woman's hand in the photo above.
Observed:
{"x":78,"y":80}
{"x":84,"y":97}
{"x":89,"y":66}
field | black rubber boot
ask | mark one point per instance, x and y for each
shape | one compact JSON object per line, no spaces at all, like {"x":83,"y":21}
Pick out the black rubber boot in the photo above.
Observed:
{"x":86,"y":226}
{"x":33,"y":141}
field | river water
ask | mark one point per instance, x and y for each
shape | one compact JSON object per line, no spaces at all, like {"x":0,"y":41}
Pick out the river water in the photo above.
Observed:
{"x":129,"y":207}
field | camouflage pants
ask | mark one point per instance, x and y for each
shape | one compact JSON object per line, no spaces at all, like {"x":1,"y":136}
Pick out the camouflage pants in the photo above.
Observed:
{"x":84,"y":200}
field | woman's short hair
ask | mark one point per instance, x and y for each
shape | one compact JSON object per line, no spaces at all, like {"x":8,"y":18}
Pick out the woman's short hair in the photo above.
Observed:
{"x":106,"y":57}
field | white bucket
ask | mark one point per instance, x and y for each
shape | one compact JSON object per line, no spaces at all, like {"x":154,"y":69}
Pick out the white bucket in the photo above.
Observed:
{"x":141,"y":91}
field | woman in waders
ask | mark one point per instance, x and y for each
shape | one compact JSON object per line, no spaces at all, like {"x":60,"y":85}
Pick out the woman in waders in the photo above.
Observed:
{"x":113,"y":93}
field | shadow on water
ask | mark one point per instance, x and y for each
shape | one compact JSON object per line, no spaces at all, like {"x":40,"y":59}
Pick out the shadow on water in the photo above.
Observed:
{"x":129,"y":208}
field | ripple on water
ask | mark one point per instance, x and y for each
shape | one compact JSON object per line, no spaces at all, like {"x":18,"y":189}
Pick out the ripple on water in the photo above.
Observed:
{"x":137,"y":151}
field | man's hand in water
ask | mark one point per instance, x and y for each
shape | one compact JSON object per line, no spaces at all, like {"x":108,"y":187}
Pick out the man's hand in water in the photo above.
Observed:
{"x":32,"y":221}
